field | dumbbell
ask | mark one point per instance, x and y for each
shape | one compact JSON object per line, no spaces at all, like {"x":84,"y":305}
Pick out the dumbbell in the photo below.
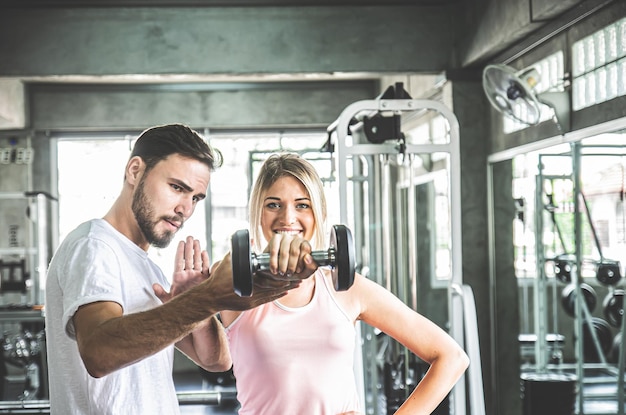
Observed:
{"x":339,"y":256}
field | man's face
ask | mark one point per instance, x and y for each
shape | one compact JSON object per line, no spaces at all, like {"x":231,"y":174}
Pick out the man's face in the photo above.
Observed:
{"x":166,"y":196}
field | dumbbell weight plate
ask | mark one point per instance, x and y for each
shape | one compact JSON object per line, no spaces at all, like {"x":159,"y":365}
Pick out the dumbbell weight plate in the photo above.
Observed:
{"x":563,"y":265}
{"x":568,"y":298}
{"x":608,"y":272}
{"x":615,"y":349}
{"x":344,"y":269}
{"x":613,"y":307}
{"x":241,"y":263}
{"x":604,"y":335}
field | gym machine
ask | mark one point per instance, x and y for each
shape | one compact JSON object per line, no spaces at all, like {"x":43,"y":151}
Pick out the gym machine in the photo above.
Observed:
{"x":569,"y":246}
{"x":23,"y":264}
{"x":378,"y":170}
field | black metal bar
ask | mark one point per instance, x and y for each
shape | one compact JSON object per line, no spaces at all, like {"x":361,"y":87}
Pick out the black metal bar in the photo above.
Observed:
{"x":184,"y":398}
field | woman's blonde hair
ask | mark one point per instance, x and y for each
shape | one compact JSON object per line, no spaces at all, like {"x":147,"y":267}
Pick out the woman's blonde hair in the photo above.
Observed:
{"x":275,"y":167}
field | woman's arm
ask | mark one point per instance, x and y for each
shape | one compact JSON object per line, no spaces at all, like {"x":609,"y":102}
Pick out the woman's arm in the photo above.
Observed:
{"x":383,"y":310}
{"x":207,"y":346}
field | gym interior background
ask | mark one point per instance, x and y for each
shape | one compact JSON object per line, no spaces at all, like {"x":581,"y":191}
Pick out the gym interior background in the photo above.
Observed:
{"x":495,"y":224}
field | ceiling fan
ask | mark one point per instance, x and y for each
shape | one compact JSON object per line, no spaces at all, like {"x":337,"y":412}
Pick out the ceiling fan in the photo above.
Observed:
{"x":512,"y":93}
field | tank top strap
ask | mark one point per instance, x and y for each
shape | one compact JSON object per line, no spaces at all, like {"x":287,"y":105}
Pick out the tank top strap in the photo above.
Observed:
{"x":327,"y":294}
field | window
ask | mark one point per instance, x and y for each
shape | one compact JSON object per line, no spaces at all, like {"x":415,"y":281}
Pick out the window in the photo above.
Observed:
{"x":545,"y":224}
{"x":90,"y":175}
{"x":599,"y":66}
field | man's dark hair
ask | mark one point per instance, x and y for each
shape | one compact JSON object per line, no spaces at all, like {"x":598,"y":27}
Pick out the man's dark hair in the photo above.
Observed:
{"x":157,"y":143}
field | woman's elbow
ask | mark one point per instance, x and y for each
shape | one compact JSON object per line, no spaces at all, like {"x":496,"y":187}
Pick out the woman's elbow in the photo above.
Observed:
{"x":464,"y":360}
{"x":454,"y":360}
{"x":222,"y":365}
{"x":461,"y":360}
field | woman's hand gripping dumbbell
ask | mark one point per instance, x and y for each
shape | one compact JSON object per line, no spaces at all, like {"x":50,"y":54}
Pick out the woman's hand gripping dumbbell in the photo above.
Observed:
{"x":339,"y":256}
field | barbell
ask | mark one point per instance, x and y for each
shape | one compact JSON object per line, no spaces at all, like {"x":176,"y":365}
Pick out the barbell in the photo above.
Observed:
{"x":339,"y":256}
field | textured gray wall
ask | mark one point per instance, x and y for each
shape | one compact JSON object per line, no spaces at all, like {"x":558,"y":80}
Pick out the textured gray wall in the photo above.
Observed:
{"x":504,"y":359}
{"x":224,"y":40}
{"x":590,"y":116}
{"x":215,"y":106}
{"x":492,"y":26}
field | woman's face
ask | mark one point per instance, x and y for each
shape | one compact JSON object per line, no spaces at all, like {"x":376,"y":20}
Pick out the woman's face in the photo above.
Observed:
{"x":287,"y":209}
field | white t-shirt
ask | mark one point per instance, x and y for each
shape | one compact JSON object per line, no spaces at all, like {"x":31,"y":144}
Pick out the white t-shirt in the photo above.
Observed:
{"x":97,"y":263}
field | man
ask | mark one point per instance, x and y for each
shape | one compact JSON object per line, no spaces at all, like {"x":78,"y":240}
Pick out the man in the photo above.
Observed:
{"x":111,"y":324}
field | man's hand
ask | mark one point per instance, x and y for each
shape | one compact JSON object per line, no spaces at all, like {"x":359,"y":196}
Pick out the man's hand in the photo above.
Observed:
{"x":222,"y":295}
{"x":290,"y":263}
{"x":289,"y":258}
{"x":191,"y":267}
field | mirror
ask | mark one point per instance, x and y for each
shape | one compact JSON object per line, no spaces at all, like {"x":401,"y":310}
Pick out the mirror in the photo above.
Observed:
{"x":558,"y":234}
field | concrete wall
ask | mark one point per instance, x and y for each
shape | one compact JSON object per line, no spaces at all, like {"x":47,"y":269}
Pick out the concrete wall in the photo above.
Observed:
{"x":611,"y":110}
{"x":492,"y":27}
{"x":259,"y":105}
{"x":226,"y":40}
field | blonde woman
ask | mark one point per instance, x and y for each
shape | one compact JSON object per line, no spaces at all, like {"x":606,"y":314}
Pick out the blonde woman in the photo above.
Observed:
{"x":295,"y":355}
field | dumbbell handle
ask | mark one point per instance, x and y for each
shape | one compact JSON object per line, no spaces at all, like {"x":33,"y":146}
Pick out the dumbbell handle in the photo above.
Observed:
{"x":262,"y":261}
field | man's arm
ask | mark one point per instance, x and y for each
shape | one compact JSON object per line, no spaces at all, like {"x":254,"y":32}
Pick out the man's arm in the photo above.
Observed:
{"x":207,"y":345}
{"x":108,"y":340}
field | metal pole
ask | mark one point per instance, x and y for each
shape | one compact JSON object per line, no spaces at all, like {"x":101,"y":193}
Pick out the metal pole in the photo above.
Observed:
{"x":42,"y":249}
{"x":476,"y":389}
{"x":386,"y":223}
{"x":578,"y":328}
{"x":412,"y":235}
{"x":621,"y":361}
{"x":539,"y":294}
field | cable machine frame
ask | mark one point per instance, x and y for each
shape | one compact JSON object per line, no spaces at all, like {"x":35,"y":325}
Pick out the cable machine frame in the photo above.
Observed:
{"x":346,"y":152}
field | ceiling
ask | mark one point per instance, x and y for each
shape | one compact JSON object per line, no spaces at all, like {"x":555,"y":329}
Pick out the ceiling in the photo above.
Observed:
{"x":213,"y":78}
{"x":221,"y":3}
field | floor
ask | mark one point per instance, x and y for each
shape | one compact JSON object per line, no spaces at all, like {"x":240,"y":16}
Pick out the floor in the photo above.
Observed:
{"x":199,"y":395}
{"x":599,"y":389}
{"x":599,"y":392}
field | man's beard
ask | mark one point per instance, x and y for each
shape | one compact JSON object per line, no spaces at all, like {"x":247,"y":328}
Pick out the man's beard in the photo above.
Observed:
{"x":143,"y":214}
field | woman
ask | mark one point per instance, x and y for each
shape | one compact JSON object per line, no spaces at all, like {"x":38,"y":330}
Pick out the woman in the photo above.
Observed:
{"x":295,"y":355}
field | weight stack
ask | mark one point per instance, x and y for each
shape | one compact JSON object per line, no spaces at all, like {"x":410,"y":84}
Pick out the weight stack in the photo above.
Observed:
{"x":548,"y":393}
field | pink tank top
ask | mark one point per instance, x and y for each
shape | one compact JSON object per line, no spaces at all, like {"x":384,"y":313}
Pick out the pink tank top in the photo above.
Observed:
{"x":295,"y":361}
